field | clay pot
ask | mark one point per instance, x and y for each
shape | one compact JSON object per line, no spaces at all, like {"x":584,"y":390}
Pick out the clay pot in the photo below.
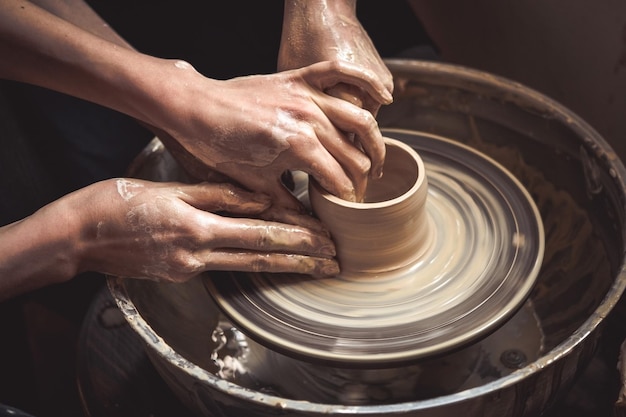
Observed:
{"x":390,"y":228}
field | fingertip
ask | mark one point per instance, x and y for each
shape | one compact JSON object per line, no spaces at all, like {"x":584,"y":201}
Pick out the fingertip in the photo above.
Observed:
{"x":328,"y":268}
{"x":349,"y":195}
{"x":360,"y":192}
{"x":378,"y":163}
{"x":387,"y":97}
{"x":346,"y":192}
{"x":377,"y":173}
{"x":328,"y":250}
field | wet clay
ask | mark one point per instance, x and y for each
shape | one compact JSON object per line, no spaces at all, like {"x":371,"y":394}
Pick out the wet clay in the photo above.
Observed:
{"x":390,"y":229}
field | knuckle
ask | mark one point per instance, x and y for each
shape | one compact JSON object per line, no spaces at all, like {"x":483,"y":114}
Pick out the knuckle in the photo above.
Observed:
{"x":366,"y":121}
{"x":389,"y":84}
{"x":369,"y":121}
{"x":363,"y":165}
{"x":306,"y":132}
{"x":337,"y":65}
{"x":185,"y":263}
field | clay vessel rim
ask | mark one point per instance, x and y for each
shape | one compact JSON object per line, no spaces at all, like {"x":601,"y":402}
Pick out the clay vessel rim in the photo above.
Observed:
{"x":419,"y":182}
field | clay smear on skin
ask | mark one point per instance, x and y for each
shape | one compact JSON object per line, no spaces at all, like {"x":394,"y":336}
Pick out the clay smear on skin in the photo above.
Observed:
{"x":284,"y":128}
{"x":147,"y":230}
{"x":264,"y":151}
{"x":99,"y":228}
{"x":127,"y":189}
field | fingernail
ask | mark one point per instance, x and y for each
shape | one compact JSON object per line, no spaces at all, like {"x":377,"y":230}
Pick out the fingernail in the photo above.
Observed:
{"x":351,"y":195}
{"x":388,"y":97}
{"x":379,"y":173}
{"x":328,"y":250}
{"x":331,"y":269}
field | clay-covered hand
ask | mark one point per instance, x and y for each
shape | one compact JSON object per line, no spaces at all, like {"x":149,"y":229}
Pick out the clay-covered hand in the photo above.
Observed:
{"x":160,"y":231}
{"x":172,"y":232}
{"x":252,"y":129}
{"x":325,"y":30}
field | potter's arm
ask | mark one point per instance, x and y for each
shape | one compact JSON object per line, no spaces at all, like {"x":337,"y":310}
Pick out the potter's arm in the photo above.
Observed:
{"x":80,"y":26}
{"x":321,"y":30}
{"x":161,"y":231}
{"x":83,"y":16}
{"x":93,"y":64}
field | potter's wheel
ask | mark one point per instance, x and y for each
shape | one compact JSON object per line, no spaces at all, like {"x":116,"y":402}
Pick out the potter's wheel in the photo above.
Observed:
{"x":477,"y":271}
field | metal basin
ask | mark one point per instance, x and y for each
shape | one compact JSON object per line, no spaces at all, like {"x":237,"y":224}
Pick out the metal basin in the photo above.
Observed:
{"x":577,"y":182}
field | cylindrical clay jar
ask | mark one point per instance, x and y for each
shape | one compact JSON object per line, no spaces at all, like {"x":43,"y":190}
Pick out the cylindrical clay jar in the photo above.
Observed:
{"x":390,"y":229}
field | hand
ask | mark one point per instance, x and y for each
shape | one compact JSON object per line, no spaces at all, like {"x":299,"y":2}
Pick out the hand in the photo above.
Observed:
{"x":172,"y":232}
{"x":252,"y":129}
{"x":322,"y":30}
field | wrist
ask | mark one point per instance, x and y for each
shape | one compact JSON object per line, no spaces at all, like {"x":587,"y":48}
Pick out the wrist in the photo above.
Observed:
{"x":60,"y":237}
{"x":37,"y":251}
{"x":318,"y":8}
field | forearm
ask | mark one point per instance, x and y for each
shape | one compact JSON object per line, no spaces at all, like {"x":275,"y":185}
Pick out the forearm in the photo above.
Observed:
{"x":82,"y":15}
{"x":48,"y":51}
{"x":37,"y":251}
{"x":309,"y":25}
